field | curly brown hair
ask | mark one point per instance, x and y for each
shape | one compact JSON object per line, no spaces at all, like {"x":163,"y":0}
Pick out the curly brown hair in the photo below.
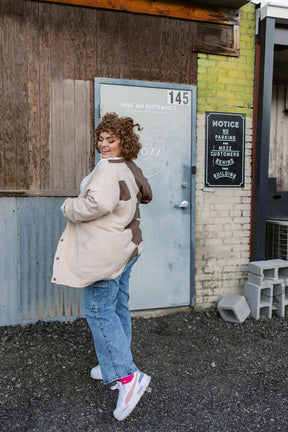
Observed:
{"x":121,"y":128}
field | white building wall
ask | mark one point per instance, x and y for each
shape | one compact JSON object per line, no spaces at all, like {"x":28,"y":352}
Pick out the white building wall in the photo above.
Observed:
{"x":222,"y":228}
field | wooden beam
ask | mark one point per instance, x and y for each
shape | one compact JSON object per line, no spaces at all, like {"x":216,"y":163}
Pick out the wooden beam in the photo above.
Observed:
{"x":169,"y":8}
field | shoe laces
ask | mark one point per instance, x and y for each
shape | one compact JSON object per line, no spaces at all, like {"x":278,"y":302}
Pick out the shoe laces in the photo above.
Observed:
{"x":117,"y":386}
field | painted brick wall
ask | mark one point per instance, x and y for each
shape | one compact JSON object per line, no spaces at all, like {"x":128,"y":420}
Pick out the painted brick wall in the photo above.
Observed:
{"x":225,"y":84}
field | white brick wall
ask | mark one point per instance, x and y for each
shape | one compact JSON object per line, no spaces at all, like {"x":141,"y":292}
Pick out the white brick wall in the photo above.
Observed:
{"x":222,"y":229}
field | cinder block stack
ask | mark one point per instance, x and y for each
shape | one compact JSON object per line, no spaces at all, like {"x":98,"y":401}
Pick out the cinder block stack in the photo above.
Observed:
{"x":267,"y":288}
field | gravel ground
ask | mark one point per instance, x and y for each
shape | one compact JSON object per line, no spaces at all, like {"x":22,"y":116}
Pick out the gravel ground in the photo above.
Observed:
{"x":207,"y":375}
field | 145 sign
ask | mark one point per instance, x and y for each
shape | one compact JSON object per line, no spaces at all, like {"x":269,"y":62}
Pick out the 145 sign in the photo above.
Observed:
{"x":178,"y":97}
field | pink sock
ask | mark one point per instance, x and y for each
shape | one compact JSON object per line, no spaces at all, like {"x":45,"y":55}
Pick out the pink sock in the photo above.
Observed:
{"x":127,"y":379}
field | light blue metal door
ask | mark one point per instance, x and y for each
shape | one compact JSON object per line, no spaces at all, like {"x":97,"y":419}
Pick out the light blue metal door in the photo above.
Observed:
{"x":164,"y":276}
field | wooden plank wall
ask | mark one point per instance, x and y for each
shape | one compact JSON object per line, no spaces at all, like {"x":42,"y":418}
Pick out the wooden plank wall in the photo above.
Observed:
{"x":49,"y":53}
{"x":279,"y":138}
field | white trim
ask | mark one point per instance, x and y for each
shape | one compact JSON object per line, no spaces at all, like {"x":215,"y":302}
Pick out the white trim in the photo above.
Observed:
{"x":274,"y":9}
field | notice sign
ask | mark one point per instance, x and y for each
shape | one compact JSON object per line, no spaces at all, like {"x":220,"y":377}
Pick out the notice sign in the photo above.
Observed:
{"x":225,"y":146}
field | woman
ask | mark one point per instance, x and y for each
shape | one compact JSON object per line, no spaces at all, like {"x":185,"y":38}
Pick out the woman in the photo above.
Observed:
{"x":101,"y":243}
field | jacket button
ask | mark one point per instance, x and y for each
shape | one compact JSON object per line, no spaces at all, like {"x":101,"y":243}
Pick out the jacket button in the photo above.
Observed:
{"x":61,"y":239}
{"x":54,"y":278}
{"x":57,"y":258}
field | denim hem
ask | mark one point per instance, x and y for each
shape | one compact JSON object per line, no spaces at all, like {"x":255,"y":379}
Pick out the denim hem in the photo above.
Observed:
{"x":120,"y":377}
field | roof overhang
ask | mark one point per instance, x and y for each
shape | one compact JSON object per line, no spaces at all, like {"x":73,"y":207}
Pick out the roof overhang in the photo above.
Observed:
{"x":277,"y":9}
{"x":110,"y":4}
{"x":204,"y":10}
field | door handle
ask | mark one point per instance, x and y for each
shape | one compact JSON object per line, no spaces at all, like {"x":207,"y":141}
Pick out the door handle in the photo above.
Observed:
{"x":183,"y":205}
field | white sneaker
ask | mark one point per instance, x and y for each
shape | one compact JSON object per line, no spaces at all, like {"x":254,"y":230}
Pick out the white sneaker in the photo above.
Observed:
{"x":96,"y":373}
{"x":130,"y":394}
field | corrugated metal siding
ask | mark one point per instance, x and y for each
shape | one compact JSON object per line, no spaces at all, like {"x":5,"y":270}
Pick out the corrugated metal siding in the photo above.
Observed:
{"x":8,"y":261}
{"x":30,"y":229}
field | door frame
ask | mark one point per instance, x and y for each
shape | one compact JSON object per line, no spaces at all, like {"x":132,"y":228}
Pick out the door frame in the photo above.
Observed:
{"x":155,"y":84}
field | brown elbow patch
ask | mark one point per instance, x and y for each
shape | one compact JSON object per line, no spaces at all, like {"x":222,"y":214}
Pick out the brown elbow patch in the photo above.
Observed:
{"x":124,"y":191}
{"x":134,"y":226}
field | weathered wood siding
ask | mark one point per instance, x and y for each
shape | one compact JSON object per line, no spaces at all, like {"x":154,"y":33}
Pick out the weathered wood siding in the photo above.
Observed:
{"x":49,"y":56}
{"x":278,"y":162}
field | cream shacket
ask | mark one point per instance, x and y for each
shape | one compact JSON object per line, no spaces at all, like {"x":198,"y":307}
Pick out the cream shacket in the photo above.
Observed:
{"x":103,"y":230}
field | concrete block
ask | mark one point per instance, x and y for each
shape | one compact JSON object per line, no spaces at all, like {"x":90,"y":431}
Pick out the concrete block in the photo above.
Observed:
{"x":269,"y":269}
{"x":280,"y":299}
{"x":233,"y":308}
{"x":260,"y":299}
{"x":262,"y":280}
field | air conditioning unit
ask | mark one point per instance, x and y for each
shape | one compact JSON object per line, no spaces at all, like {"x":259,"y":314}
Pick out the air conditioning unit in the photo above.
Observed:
{"x":277,"y":238}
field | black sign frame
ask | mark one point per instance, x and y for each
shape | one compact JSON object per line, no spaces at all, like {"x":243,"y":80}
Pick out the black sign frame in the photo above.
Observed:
{"x":225,"y":149}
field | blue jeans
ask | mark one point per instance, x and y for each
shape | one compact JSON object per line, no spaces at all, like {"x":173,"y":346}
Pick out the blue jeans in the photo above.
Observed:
{"x":107,"y":311}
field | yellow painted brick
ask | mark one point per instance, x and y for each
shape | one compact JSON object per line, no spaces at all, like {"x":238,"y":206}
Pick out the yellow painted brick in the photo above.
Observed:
{"x":236,"y":73}
{"x":225,"y":94}
{"x":248,"y":53}
{"x":215,"y":100}
{"x":207,"y":63}
{"x":248,"y":37}
{"x":226,"y":80}
{"x":217,"y":87}
{"x":235,"y":88}
{"x":212,"y":80}
{"x":242,"y":66}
